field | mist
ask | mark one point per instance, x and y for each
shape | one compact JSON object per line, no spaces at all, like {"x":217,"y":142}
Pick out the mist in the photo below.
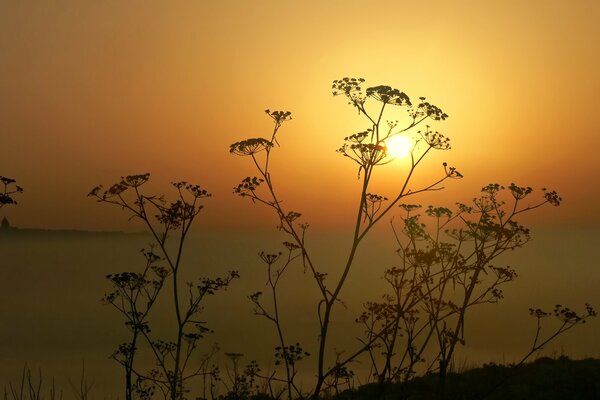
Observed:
{"x":54,"y":320}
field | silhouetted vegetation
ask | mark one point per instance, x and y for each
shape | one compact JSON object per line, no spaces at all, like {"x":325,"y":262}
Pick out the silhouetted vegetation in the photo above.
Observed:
{"x":134,"y":294}
{"x":444,"y":270}
{"x":8,"y":190}
{"x":33,"y":386}
{"x":445,"y":267}
{"x":368,"y":150}
{"x":543,"y":379}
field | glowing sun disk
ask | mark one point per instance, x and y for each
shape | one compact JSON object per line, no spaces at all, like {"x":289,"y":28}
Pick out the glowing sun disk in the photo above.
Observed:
{"x":399,"y":146}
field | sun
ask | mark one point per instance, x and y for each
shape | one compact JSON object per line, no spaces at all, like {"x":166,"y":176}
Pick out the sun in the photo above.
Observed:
{"x":399,"y":146}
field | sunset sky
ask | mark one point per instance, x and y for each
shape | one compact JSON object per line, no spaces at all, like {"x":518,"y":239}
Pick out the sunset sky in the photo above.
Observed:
{"x":93,"y":90}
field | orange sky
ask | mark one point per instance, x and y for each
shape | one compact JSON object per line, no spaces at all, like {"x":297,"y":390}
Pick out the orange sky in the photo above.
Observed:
{"x":90,"y":91}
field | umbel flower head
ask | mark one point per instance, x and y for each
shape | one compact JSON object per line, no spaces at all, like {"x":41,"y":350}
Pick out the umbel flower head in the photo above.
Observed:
{"x":8,"y":190}
{"x":135,"y":180}
{"x":389,"y":95}
{"x":116,"y":189}
{"x":279,"y":116}
{"x":250,"y":147}
{"x":364,"y":153}
{"x":346,"y":86}
{"x":435,"y":139}
{"x":425,"y":108}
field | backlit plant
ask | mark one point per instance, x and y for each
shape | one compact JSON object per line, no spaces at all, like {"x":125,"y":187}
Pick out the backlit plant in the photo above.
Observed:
{"x":8,"y":190}
{"x":135,"y":293}
{"x":368,"y":150}
{"x":445,"y":268}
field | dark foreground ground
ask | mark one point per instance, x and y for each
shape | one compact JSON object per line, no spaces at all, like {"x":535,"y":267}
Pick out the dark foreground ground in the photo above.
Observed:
{"x":544,"y":379}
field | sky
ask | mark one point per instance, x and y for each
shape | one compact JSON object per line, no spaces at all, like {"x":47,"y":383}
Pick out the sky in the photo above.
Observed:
{"x":91,"y":91}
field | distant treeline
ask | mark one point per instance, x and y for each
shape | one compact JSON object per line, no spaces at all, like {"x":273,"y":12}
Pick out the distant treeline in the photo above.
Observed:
{"x":28,"y":232}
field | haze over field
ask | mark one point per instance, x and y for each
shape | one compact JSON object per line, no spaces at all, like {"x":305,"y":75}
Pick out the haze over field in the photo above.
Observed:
{"x":64,"y":323}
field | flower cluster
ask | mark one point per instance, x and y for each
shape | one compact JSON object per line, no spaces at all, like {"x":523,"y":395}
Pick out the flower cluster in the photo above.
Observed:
{"x":567,"y":315}
{"x":176,"y":214}
{"x":364,"y":153}
{"x":8,"y":190}
{"x":291,"y":354}
{"x":451,"y":172}
{"x":127,"y":280}
{"x":291,"y":246}
{"x":115,"y":190}
{"x":358,"y":137}
{"x":347,"y":86}
{"x":388,"y":95}
{"x":426,"y":109}
{"x":191,"y":337}
{"x":434,"y":112}
{"x":492,"y":188}
{"x":538,"y":313}
{"x":350,"y":87}
{"x":247,"y":186}
{"x":250,"y":147}
{"x":279,"y":116}
{"x":255,"y":297}
{"x":375,"y":198}
{"x":504,"y":273}
{"x":552,"y":197}
{"x":372,"y":204}
{"x":438,"y":212}
{"x":292,"y":216}
{"x":6,"y":181}
{"x":135,"y":180}
{"x":269,"y":258}
{"x":519,"y":192}
{"x":435,"y":139}
{"x":209,"y":286}
{"x":195,"y":190}
{"x":375,"y":311}
{"x":414,"y":228}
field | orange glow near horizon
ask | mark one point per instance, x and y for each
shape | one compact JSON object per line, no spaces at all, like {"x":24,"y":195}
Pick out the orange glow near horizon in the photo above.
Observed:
{"x":92,"y":91}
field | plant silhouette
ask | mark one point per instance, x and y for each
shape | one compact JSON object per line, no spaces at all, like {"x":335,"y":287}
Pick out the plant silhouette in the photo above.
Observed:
{"x":288,"y":355}
{"x":448,"y":263}
{"x":368,"y":150}
{"x":135,"y":293}
{"x":444,"y":270}
{"x":8,"y":191}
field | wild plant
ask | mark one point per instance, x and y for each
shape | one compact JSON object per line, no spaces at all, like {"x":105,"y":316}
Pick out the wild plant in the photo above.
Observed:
{"x":81,"y":390}
{"x":342,"y":378}
{"x":133,"y":296}
{"x":285,"y":354}
{"x":369,"y":150}
{"x":567,"y":320}
{"x":243,"y":384}
{"x":31,"y":387}
{"x":8,"y":189}
{"x":253,"y":382}
{"x":135,"y":293}
{"x":445,"y":269}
